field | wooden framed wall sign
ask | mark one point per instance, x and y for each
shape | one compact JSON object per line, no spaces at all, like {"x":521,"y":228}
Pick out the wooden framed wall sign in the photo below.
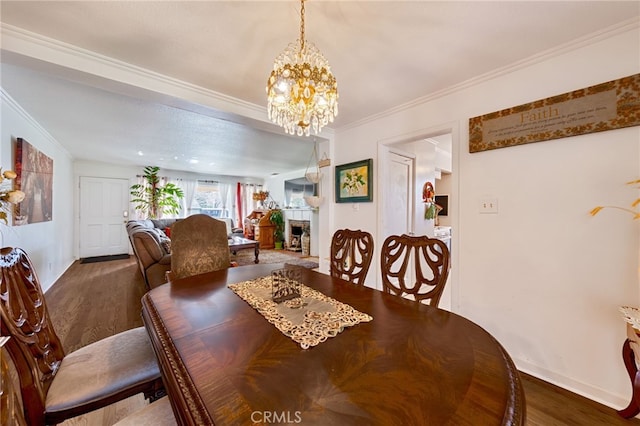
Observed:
{"x":607,"y":106}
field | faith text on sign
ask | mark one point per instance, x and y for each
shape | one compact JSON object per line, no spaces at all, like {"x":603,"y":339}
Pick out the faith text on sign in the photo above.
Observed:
{"x":606,"y":106}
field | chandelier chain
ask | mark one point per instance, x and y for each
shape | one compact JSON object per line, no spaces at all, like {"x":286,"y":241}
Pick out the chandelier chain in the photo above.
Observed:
{"x":301,"y":26}
{"x":302,"y":93}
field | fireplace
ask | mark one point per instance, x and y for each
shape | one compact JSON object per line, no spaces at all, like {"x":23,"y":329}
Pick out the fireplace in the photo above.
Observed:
{"x":296,"y":229}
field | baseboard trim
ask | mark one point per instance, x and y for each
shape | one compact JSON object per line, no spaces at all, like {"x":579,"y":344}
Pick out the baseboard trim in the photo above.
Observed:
{"x":104,"y":258}
{"x":617,"y":402}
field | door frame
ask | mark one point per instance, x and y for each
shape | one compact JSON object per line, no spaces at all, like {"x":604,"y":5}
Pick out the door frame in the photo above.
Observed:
{"x":384,"y":145}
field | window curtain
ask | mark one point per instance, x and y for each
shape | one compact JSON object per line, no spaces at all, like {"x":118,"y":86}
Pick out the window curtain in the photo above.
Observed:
{"x":237,"y":212}
{"x":226,"y":195}
{"x":189,"y":189}
{"x":247,"y":204}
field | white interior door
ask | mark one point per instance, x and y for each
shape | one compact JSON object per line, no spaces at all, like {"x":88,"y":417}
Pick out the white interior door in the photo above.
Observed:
{"x":398,"y":189}
{"x":104,"y":208}
{"x":398,"y":200}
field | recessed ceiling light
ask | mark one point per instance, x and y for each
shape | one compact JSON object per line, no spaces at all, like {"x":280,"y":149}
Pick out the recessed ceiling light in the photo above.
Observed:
{"x":193,"y":161}
{"x":140,"y":153}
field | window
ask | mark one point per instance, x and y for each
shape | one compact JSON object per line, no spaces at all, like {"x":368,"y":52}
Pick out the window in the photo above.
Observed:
{"x":208,"y":199}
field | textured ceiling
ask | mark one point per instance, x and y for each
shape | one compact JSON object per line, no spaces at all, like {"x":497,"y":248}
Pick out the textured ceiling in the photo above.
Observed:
{"x":383,"y":53}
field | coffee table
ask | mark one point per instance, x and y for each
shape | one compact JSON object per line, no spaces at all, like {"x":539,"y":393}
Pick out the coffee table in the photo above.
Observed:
{"x":239,"y":243}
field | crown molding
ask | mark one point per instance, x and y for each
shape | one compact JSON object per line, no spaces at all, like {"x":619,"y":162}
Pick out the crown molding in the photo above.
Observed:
{"x":12,"y":104}
{"x":36,"y":46}
{"x":620,"y":28}
{"x":51,"y":51}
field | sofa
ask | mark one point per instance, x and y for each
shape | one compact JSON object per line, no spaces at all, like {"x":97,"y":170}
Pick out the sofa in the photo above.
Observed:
{"x":151,"y":243}
{"x":152,"y":248}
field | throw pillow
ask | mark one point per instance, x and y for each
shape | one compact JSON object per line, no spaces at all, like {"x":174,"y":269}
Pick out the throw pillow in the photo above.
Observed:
{"x":166,"y":244}
{"x":162,"y":238}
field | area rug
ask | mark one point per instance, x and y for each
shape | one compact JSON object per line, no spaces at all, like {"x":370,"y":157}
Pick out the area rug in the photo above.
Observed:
{"x":246,"y":257}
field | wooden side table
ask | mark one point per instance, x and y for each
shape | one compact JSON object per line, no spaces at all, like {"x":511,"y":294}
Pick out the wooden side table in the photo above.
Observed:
{"x":631,"y":358}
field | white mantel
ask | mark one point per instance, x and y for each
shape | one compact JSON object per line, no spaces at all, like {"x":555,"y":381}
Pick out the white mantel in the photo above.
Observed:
{"x":304,"y":214}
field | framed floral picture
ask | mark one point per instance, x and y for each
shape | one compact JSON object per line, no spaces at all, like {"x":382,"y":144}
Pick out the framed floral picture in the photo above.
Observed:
{"x":354,"y":182}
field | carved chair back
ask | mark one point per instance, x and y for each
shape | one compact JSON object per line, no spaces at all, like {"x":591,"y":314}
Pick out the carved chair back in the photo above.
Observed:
{"x":415,"y":266}
{"x":10,"y":403}
{"x":351,"y":254}
{"x":34,"y":347}
{"x":199,"y":244}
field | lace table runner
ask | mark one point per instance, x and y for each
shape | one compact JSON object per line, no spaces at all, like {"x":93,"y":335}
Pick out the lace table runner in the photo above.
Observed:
{"x":308,"y":320}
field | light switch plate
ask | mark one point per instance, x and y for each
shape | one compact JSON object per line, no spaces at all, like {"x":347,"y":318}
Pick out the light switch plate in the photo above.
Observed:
{"x":488,"y":205}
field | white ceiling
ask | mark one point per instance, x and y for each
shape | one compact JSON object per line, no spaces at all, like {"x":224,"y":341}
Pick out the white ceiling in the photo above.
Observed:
{"x":216,"y":56}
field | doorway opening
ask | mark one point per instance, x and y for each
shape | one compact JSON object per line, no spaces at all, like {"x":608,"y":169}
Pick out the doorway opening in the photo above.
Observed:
{"x":435,"y":158}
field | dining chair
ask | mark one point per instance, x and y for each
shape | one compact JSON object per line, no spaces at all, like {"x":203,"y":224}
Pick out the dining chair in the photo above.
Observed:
{"x":351,"y":254}
{"x":55,"y":385}
{"x":10,"y":404}
{"x":414,"y":266}
{"x":158,"y":413}
{"x":199,"y":244}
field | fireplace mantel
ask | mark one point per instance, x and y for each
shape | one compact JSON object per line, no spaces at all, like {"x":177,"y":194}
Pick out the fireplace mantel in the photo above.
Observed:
{"x":308,"y":215}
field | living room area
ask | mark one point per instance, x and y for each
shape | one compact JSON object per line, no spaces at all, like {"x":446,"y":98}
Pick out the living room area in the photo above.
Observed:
{"x":248,"y":211}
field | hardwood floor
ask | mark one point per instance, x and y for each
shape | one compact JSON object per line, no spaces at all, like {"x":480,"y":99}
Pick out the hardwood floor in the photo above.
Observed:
{"x":549,"y":405}
{"x":94,"y":300}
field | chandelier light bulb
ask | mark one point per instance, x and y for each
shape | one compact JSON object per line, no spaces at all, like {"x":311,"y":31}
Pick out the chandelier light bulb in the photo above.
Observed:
{"x":302,"y":93}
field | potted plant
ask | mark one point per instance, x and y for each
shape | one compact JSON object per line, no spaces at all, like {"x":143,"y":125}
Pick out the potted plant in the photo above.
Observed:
{"x":277,"y":218}
{"x":155,"y":199}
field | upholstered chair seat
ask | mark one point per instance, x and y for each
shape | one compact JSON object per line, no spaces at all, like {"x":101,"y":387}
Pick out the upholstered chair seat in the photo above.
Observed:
{"x":101,"y":371}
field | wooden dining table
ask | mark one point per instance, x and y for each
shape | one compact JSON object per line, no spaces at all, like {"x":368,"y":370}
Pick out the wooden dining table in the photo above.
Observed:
{"x":223,"y":363}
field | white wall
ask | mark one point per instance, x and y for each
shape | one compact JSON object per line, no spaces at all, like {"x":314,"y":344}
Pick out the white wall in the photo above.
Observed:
{"x":48,"y":244}
{"x":542,"y":276}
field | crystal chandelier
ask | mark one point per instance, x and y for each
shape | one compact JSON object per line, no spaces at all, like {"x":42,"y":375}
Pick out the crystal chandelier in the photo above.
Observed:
{"x":302,"y":93}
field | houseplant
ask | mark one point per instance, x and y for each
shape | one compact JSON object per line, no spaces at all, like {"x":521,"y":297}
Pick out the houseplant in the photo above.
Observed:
{"x":154,"y":199}
{"x":277,"y":218}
